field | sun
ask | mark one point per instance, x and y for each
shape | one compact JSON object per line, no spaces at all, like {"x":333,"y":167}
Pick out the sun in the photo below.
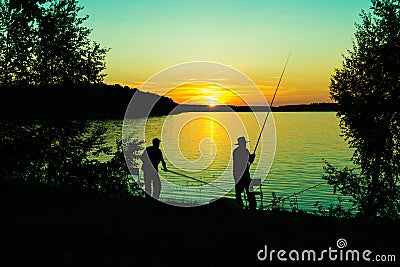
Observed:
{"x":207,"y":94}
{"x":211,"y":101}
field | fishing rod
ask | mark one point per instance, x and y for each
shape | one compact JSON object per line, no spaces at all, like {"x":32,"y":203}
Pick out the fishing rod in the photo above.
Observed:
{"x":195,"y":179}
{"x":272,"y":102}
{"x":302,"y":191}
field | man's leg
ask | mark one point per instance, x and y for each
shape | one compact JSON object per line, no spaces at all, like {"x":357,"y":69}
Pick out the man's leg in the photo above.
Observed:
{"x":238,"y":191}
{"x":147,"y":182}
{"x":157,"y":186}
{"x":251,"y":196}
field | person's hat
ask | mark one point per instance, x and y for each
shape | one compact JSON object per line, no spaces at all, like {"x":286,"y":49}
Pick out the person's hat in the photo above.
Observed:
{"x":156,"y":140}
{"x":241,"y":139}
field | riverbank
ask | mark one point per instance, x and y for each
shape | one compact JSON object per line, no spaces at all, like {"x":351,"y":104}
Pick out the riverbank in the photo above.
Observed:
{"x":47,"y":227}
{"x":105,"y":101}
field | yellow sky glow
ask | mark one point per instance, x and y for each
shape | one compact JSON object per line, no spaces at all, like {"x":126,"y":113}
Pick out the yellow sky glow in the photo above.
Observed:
{"x":254,"y":37}
{"x":291,"y":91}
{"x":204,"y":94}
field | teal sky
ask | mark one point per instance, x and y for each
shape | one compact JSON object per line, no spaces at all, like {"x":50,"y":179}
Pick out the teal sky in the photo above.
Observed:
{"x":253,"y":36}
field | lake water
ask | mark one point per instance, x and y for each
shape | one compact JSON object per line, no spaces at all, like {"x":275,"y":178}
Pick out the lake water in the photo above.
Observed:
{"x":289,"y":158}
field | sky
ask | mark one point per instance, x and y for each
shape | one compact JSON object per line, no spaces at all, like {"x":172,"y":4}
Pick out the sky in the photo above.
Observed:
{"x":253,"y":36}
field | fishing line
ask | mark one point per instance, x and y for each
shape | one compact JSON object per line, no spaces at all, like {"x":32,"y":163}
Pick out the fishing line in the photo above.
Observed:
{"x":195,"y":179}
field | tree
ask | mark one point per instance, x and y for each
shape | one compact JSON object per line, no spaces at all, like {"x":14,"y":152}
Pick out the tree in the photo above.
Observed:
{"x":64,"y":51}
{"x":45,"y":42}
{"x":17,"y":39}
{"x":367,"y":89}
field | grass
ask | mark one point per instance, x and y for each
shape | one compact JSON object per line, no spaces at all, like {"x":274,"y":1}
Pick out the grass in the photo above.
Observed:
{"x":46,"y":227}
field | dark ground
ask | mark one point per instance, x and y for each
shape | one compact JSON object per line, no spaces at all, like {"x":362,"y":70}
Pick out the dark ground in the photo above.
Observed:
{"x":69,"y":229}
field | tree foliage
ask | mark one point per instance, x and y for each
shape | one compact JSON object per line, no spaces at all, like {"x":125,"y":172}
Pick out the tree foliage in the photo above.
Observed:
{"x":367,"y":89}
{"x":65,"y":154}
{"x":45,"y":42}
{"x":48,"y":63}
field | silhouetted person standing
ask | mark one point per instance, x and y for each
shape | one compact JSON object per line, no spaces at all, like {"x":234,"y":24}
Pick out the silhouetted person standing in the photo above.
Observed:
{"x":151,"y":157}
{"x":241,"y":164}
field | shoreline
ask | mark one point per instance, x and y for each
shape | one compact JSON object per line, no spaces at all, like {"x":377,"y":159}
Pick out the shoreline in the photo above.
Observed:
{"x":56,"y":227}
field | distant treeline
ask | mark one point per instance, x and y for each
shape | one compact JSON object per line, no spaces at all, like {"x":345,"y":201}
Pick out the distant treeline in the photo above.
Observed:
{"x":309,"y":107}
{"x":289,"y":108}
{"x":102,"y":101}
{"x":78,"y":101}
{"x":231,"y":108}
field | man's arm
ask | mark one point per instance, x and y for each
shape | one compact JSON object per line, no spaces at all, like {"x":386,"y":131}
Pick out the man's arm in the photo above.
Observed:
{"x":163,"y":162}
{"x":252,"y":157}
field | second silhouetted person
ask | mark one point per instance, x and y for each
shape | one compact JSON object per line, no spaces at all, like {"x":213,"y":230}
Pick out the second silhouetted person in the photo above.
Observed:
{"x":151,"y":158}
{"x":241,"y":164}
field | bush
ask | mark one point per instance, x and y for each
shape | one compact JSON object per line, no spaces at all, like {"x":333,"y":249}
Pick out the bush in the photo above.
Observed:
{"x":64,"y":154}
